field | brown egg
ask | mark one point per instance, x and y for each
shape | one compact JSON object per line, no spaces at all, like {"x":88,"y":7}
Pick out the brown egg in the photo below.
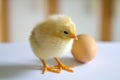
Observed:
{"x":84,"y":49}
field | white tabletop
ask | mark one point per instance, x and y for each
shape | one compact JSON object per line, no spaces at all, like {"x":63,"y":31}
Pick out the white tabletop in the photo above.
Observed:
{"x":17,"y":62}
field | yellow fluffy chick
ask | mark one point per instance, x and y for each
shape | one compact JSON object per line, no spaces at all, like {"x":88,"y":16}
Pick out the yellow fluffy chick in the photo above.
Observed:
{"x":52,"y":39}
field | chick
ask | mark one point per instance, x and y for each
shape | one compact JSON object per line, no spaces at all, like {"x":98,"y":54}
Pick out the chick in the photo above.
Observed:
{"x":52,"y":39}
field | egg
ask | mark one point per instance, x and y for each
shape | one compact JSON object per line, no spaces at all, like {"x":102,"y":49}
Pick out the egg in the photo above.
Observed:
{"x":84,"y":49}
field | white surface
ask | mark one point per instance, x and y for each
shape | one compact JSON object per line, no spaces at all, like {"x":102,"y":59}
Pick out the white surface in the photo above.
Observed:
{"x":17,"y":62}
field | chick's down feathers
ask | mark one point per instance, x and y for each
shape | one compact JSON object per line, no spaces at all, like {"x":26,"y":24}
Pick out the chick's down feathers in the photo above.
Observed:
{"x":52,"y":38}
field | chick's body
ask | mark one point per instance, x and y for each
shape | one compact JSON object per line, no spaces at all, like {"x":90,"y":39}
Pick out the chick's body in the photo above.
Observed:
{"x":49,"y":46}
{"x":52,"y":39}
{"x":46,"y":39}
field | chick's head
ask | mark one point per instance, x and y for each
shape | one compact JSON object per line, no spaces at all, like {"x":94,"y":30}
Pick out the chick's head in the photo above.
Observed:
{"x":60,"y":26}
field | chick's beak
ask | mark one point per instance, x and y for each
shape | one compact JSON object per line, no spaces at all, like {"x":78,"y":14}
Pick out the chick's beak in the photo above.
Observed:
{"x":74,"y":36}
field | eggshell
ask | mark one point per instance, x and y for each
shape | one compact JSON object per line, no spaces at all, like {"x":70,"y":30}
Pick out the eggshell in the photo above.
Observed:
{"x":84,"y":49}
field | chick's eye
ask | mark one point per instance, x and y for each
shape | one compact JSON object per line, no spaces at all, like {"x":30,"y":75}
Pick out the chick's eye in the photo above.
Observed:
{"x":65,"y":32}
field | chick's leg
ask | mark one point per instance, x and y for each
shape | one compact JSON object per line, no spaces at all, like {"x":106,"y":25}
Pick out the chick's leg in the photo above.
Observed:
{"x":47,"y":68}
{"x":61,"y":66}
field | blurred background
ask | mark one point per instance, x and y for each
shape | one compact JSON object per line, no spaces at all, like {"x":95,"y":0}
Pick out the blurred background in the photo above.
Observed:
{"x":98,"y":18}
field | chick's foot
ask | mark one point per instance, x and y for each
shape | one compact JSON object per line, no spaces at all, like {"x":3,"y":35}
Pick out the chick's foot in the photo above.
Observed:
{"x":47,"y":68}
{"x":61,"y":66}
{"x":51,"y":69}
